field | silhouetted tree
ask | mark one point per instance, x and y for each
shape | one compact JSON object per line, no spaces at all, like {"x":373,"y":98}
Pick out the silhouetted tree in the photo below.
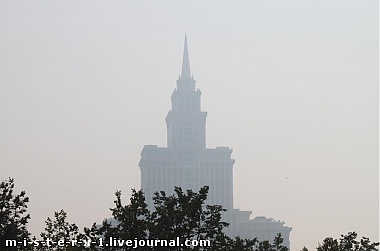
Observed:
{"x":13,"y":216}
{"x":277,"y":244}
{"x":184,"y":215}
{"x":130,"y":222}
{"x":264,"y":246}
{"x":347,"y":242}
{"x":239,"y":244}
{"x":58,"y":233}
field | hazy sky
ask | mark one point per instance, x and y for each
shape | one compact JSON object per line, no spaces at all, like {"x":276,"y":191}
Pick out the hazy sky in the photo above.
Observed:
{"x":291,"y":86}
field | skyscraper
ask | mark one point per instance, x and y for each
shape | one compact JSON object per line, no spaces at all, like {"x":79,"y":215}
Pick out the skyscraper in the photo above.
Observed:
{"x":186,"y":162}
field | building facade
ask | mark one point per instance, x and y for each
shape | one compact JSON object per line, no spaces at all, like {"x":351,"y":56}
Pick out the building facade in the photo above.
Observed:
{"x":186,"y":162}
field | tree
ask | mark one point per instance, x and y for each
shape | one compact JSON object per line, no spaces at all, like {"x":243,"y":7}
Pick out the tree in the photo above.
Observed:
{"x":182,"y":215}
{"x":304,"y":249}
{"x":239,"y":244}
{"x":59,"y":233}
{"x":185,"y":215}
{"x":130,"y":222}
{"x":133,"y":218}
{"x":277,"y":244}
{"x":13,"y":216}
{"x":347,"y":242}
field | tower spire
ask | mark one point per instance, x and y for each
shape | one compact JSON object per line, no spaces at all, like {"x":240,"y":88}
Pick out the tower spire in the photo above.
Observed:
{"x":185,"y":62}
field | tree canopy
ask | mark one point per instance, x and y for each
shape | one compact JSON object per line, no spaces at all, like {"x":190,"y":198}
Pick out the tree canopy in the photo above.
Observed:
{"x":13,"y":215}
{"x":176,"y":219}
{"x":347,"y":242}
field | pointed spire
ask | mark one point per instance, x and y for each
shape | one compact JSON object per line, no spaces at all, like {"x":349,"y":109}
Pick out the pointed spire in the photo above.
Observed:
{"x":185,"y":62}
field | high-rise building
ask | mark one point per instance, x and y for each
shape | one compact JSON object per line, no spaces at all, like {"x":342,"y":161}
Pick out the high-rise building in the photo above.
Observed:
{"x":186,"y":162}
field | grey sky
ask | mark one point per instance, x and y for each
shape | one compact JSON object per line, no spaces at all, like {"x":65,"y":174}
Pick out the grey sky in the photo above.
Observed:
{"x":291,"y":86}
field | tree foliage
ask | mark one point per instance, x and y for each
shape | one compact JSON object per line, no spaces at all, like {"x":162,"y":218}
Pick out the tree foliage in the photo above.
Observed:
{"x":57,"y":230}
{"x":129,"y":222}
{"x":183,"y":215}
{"x":13,"y":215}
{"x":186,"y":215}
{"x":347,"y":242}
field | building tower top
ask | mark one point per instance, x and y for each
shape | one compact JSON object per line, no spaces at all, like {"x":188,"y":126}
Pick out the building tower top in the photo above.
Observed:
{"x":185,"y":62}
{"x":186,"y":123}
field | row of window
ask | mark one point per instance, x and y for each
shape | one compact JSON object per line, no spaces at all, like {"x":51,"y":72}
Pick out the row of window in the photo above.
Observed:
{"x":188,"y":152}
{"x":188,"y":105}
